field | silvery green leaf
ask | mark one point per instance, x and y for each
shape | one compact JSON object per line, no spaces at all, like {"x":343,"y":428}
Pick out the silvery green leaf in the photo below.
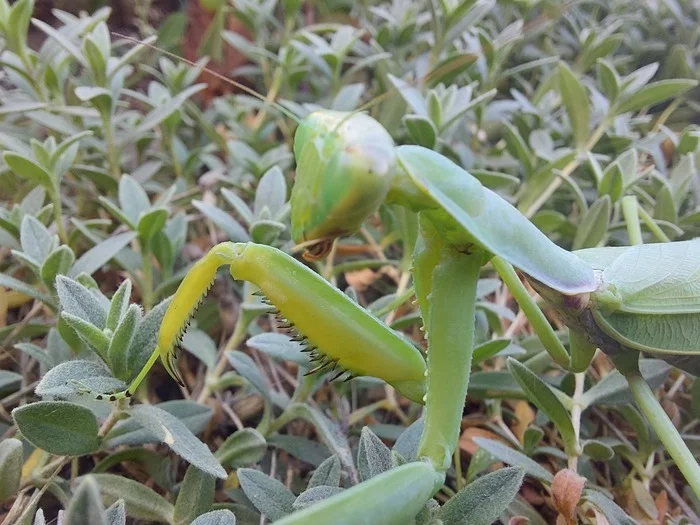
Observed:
{"x":268,"y":495}
{"x":151,"y":222}
{"x":77,"y":300}
{"x":170,"y":430}
{"x":39,"y":518}
{"x":514,"y":458}
{"x":546,"y":400}
{"x":7,"y":281}
{"x":144,"y":341}
{"x":328,"y":431}
{"x":314,"y":495}
{"x":25,"y":167}
{"x":594,"y":224}
{"x":614,"y":514}
{"x":246,"y":367}
{"x":307,"y":450}
{"x":654,"y":93}
{"x":271,"y":192}
{"x":164,"y":110}
{"x":140,"y":501}
{"x":129,"y":432}
{"x":121,"y":340}
{"x":33,"y":202}
{"x":373,"y":456}
{"x":266,"y":231}
{"x":11,"y":460}
{"x":37,"y":242}
{"x":58,"y":262}
{"x":421,"y":129}
{"x":72,"y":377}
{"x":93,"y":336}
{"x":9,"y":379}
{"x":133,"y":199}
{"x":327,"y":473}
{"x":407,"y":444}
{"x":483,"y":500}
{"x":116,"y":513}
{"x":61,"y":428}
{"x":575,"y":100}
{"x":36,"y":352}
{"x":118,"y":305}
{"x":279,"y":346}
{"x":244,"y":447}
{"x":216,"y":517}
{"x":223,"y":220}
{"x":86,"y":506}
{"x":199,"y":344}
{"x":195,"y":497}
{"x":239,"y":205}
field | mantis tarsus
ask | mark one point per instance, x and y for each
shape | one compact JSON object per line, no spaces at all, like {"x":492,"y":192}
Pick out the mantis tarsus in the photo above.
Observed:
{"x":622,"y":300}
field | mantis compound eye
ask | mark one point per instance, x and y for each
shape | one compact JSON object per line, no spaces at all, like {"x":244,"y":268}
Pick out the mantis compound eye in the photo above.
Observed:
{"x":345,"y":166}
{"x":319,"y":249}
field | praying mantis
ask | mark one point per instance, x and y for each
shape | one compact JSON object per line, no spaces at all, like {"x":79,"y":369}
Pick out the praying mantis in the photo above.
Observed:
{"x":624,"y":301}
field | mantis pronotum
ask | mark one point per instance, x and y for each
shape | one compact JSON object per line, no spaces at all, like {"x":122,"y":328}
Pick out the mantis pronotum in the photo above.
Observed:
{"x":624,"y":301}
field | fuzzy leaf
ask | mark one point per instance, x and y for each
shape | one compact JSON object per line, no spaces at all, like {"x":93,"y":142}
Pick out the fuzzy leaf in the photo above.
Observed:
{"x":314,"y":495}
{"x":86,"y":506}
{"x":71,"y":377}
{"x":11,"y":459}
{"x":373,"y":456}
{"x":327,"y":473}
{"x":37,"y":242}
{"x":483,"y":500}
{"x":119,"y":305}
{"x":100,"y":254}
{"x":542,"y":396}
{"x":80,"y":302}
{"x":654,"y":93}
{"x":195,"y":497}
{"x":216,"y":517}
{"x":140,"y":501}
{"x":121,"y":340}
{"x":575,"y":100}
{"x":244,"y":447}
{"x":268,"y":495}
{"x":61,"y":428}
{"x":514,"y":458}
{"x":170,"y":430}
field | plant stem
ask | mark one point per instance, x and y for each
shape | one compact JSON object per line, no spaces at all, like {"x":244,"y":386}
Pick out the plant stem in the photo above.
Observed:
{"x":653,"y":227}
{"x":56,"y":198}
{"x":533,"y":313}
{"x":665,"y":430}
{"x":630,"y":210}
{"x":147,"y":282}
{"x":112,"y":151}
{"x":177,"y":167}
{"x":576,"y":410}
{"x":239,"y":333}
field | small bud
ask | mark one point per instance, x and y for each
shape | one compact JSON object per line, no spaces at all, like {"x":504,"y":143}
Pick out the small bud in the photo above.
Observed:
{"x":567,"y":488}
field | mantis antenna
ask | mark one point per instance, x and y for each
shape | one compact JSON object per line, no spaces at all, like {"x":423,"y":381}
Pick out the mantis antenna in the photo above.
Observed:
{"x":221,"y":77}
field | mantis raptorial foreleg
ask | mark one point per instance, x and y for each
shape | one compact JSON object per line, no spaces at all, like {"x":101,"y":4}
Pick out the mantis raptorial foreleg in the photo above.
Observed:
{"x":338,"y":333}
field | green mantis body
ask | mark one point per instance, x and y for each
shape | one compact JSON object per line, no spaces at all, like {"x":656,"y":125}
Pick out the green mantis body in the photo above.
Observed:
{"x":347,"y":165}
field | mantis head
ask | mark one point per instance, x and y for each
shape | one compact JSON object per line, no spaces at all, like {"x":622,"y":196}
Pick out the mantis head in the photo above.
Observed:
{"x":345,"y":166}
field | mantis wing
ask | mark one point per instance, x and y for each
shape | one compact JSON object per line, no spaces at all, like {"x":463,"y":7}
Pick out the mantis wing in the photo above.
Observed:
{"x":492,"y":223}
{"x":654,"y":279}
